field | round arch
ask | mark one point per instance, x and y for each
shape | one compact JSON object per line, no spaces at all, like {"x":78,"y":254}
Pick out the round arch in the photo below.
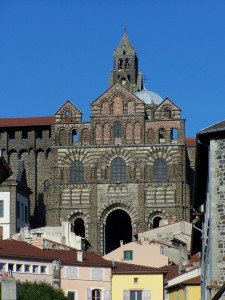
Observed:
{"x":155,"y":217}
{"x":113,"y":217}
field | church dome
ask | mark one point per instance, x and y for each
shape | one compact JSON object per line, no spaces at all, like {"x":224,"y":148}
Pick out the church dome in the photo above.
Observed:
{"x":149,"y":97}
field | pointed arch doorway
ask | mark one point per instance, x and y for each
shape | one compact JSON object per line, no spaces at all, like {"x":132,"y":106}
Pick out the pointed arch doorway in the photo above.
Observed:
{"x":118,"y":228}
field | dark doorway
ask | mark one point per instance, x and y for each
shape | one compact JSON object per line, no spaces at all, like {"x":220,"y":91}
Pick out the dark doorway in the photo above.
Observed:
{"x":118,"y":227}
{"x":79,"y":227}
{"x":156,"y":222}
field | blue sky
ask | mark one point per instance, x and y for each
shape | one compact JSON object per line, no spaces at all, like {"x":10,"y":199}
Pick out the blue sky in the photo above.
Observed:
{"x":52,"y":50}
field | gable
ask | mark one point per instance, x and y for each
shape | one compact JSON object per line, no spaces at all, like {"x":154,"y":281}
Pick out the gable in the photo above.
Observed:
{"x":167,"y":110}
{"x":68,"y":113}
{"x":117,"y":100}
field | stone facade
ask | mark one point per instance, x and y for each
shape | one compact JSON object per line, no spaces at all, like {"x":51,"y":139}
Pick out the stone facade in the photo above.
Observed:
{"x":116,"y":175}
{"x":209,"y":195}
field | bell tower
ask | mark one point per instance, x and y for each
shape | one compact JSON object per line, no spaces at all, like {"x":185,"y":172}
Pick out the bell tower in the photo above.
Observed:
{"x":125,"y":70}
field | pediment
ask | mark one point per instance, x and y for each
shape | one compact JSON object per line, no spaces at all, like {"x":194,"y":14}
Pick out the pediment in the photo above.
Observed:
{"x":168,"y":103}
{"x":117,"y":100}
{"x":68,"y":112}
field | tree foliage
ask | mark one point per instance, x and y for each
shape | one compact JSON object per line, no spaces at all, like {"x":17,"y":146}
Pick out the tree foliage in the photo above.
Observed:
{"x":39,"y":291}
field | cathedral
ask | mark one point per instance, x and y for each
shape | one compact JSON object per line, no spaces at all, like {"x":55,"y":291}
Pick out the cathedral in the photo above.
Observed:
{"x":119,"y":174}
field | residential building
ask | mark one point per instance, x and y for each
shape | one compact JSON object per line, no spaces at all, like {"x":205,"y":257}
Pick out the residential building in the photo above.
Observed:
{"x":132,"y":282}
{"x":174,"y":239}
{"x":113,"y":176}
{"x":209,"y":207}
{"x":184,"y":289}
{"x":81,"y":275}
{"x":59,"y":234}
{"x":14,"y":199}
{"x":134,"y":253}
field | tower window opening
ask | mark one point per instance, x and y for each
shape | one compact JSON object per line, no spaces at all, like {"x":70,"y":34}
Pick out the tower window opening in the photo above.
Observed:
{"x":75,"y":135}
{"x":124,"y":52}
{"x":127,"y":63}
{"x":120,"y":64}
{"x":123,"y":81}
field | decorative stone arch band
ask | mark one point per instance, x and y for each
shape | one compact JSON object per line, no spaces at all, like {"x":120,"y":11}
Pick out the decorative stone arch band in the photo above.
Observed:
{"x":107,"y":209}
{"x":153,"y":214}
{"x":79,"y":214}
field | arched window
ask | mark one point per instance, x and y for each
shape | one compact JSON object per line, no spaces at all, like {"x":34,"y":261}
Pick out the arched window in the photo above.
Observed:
{"x":76,"y":172}
{"x":167,"y":112}
{"x":96,"y":294}
{"x":174,"y":134}
{"x":117,"y":129}
{"x":75,"y":135}
{"x":79,"y":228}
{"x":120,"y":64}
{"x":162,"y":135}
{"x":160,"y":169}
{"x":118,"y":170}
{"x":46,"y":186}
{"x":127,"y":62}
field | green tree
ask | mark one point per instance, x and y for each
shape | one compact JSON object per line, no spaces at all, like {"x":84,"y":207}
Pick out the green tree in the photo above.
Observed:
{"x":39,"y":291}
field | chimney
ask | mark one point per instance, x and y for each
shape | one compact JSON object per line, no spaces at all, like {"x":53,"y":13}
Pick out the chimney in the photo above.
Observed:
{"x":80,"y":256}
{"x":121,"y":243}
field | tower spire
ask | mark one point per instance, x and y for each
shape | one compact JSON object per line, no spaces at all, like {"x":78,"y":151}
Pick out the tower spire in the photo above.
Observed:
{"x":126,"y":65}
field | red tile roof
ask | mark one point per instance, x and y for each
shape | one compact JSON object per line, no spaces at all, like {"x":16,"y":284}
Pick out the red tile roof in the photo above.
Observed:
{"x":23,"y":250}
{"x":191,"y":142}
{"x":121,"y":268}
{"x":173,"y":271}
{"x":195,"y":280}
{"x":7,"y":122}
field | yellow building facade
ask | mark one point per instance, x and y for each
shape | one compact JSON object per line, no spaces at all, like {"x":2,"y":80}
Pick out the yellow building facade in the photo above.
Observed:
{"x":186,"y":290}
{"x":133,"y":282}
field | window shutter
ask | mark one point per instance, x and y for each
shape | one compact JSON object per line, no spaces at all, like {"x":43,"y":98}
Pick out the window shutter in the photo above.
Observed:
{"x":71,"y":272}
{"x":100,"y":274}
{"x":147,"y":294}
{"x":107,"y":295}
{"x":89,"y":294}
{"x":93,"y":273}
{"x":126,"y":295}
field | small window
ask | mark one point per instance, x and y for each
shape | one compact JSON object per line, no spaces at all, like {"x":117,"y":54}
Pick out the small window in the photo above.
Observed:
{"x":135,"y":280}
{"x":24,"y":135}
{"x":27,"y":268}
{"x":71,"y":272}
{"x":162,"y":135}
{"x":10,"y":267}
{"x":96,"y":294}
{"x":128,"y":255}
{"x":11,"y":135}
{"x":39,"y":134}
{"x":77,"y":172}
{"x":96,"y":274}
{"x":160,"y":169}
{"x":19,"y":268}
{"x":46,"y":186}
{"x":1,"y":208}
{"x":2,"y":267}
{"x":167,"y":112}
{"x":162,"y":250}
{"x":71,"y":295}
{"x":43,"y":269}
{"x":17,"y":209}
{"x":117,"y":129}
{"x":26,"y":214}
{"x":118,"y":170}
{"x":35,"y":269}
{"x":75,"y":136}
